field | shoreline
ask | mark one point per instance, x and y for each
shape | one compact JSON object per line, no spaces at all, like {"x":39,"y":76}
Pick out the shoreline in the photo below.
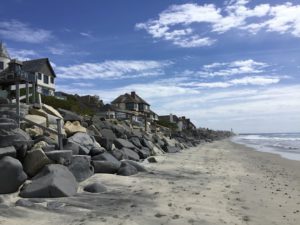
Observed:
{"x":215,"y":183}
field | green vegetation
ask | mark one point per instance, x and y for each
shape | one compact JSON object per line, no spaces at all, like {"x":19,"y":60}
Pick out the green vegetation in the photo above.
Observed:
{"x":72,"y":103}
{"x":164,"y":123}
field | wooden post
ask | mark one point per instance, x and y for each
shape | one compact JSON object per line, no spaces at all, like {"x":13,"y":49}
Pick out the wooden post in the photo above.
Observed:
{"x":60,"y":135}
{"x":18,"y":102}
{"x":27,"y":93}
{"x":33,"y":92}
{"x":145,"y":119}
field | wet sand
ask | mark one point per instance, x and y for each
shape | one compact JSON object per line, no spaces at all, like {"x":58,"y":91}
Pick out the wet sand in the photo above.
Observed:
{"x":215,"y":183}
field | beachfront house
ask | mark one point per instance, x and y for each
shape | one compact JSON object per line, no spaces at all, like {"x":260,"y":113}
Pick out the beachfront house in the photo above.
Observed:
{"x":38,"y":70}
{"x":182,"y":122}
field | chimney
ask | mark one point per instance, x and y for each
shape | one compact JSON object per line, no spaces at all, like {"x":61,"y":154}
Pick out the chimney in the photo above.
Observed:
{"x":133,"y":94}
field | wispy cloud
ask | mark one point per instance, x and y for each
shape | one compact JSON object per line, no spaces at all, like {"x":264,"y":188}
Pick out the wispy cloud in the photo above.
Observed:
{"x":22,"y":32}
{"x":85,"y":34}
{"x":118,"y":69}
{"x":176,"y":23}
{"x":22,"y":54}
{"x":248,"y":80}
{"x":238,"y":67}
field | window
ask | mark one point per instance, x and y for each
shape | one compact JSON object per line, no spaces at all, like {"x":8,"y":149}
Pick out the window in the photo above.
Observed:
{"x":39,"y":76}
{"x":46,"y":79}
{"x":52,"y":80}
{"x":1,"y":65}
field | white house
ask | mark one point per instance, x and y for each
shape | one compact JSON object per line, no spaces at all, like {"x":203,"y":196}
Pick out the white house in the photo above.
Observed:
{"x":39,"y":68}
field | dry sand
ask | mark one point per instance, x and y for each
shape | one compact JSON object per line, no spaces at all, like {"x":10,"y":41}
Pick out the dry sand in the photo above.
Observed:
{"x":216,"y":183}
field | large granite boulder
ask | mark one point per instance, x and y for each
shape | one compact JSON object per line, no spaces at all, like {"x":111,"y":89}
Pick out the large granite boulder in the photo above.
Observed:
{"x":105,"y":156}
{"x":130,"y":154}
{"x":37,"y":119}
{"x":105,"y":166}
{"x":138,"y":166}
{"x":72,"y":146}
{"x":122,"y":143}
{"x":50,"y":110}
{"x":105,"y":142}
{"x":143,"y":152}
{"x":107,"y":133}
{"x":127,"y":170}
{"x":136,"y":141}
{"x":11,"y":175}
{"x":14,"y":137}
{"x":73,"y":127}
{"x":34,"y":161}
{"x":95,"y":188}
{"x":85,"y":142}
{"x":81,"y":167}
{"x":70,"y":116}
{"x":63,"y":157}
{"x":8,"y":151}
{"x":53,"y":181}
{"x":171,"y":149}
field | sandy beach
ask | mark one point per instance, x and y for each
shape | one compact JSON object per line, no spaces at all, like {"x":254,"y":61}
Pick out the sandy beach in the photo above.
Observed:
{"x":215,"y":183}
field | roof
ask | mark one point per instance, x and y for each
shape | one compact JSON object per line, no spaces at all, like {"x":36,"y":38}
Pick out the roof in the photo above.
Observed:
{"x":128,"y":98}
{"x":3,"y":51}
{"x":38,"y":65}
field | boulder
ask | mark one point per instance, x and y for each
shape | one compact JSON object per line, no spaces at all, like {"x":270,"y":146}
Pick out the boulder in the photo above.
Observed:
{"x":8,"y":151}
{"x":171,"y":149}
{"x":105,"y":166}
{"x":37,"y":119}
{"x":50,"y":110}
{"x":85,"y":141}
{"x":95,"y":188}
{"x":138,"y":166}
{"x":105,"y":142}
{"x":53,"y":181}
{"x":34,"y":161}
{"x":81,"y":167}
{"x":11,"y":175}
{"x":70,"y":116}
{"x":146,"y":143}
{"x":122,"y":143}
{"x":136,"y":142}
{"x":63,"y":157}
{"x":105,"y":156}
{"x":130,"y":154}
{"x":143,"y":152}
{"x":46,"y":139}
{"x":34,"y":131}
{"x":16,"y":137}
{"x":107,"y":133}
{"x":97,"y":151}
{"x":8,"y":124}
{"x":73,"y":127}
{"x":72,"y":146}
{"x":127,"y":170}
{"x":118,"y":154}
{"x":152,"y":159}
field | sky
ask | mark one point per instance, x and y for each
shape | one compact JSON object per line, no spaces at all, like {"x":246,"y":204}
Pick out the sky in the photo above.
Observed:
{"x":224,"y":64}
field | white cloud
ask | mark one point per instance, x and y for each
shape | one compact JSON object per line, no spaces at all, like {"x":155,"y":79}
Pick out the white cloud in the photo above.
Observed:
{"x":22,"y":54}
{"x":240,"y":67}
{"x":56,"y":51}
{"x":85,"y":34}
{"x":118,"y":69}
{"x":248,"y":80}
{"x":176,"y":24}
{"x":22,"y":32}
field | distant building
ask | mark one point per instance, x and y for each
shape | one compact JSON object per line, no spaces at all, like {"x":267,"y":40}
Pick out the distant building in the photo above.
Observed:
{"x":39,"y":70}
{"x":181,"y":122}
{"x":134,"y":107}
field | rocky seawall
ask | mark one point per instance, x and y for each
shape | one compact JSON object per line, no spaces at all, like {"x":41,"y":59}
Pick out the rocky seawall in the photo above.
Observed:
{"x":33,"y":166}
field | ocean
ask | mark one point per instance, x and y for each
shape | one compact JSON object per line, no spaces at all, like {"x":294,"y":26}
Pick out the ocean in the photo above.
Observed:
{"x":287,"y":145}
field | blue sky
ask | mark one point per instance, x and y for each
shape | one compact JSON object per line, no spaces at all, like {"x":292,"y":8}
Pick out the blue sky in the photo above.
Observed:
{"x":225,"y":64}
